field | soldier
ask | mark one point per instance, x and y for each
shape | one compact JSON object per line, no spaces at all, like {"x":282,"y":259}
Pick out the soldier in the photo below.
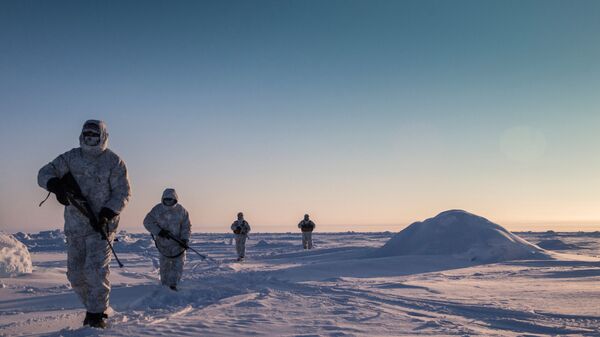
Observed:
{"x":167,"y":222}
{"x":103,"y":181}
{"x":307,"y":227}
{"x":240,"y":228}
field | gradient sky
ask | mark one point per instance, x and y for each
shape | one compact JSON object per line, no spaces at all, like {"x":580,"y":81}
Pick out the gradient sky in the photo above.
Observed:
{"x":368,"y":115}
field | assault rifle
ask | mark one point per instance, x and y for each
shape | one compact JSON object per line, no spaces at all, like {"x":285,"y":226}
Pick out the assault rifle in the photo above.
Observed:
{"x":80,"y":202}
{"x":181,"y":243}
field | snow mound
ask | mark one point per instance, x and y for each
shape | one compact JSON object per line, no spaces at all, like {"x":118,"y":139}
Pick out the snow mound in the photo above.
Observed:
{"x":458,"y":232}
{"x":14,"y":256}
{"x":44,"y":241}
{"x":556,"y":244}
{"x":262,"y":243}
{"x":128,"y":244}
{"x":266,"y":244}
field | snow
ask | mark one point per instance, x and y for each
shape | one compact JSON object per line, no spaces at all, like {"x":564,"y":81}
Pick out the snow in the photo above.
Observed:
{"x":43,"y":241}
{"x":345,"y":287}
{"x":458,"y":232}
{"x":555,"y":244}
{"x":14,"y":257}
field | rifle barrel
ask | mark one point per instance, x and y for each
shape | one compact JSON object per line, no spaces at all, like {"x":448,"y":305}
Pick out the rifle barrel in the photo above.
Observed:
{"x":183,"y":245}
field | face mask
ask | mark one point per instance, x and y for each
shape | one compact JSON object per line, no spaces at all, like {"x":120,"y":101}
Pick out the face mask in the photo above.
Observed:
{"x":169,"y":202}
{"x":91,"y":138}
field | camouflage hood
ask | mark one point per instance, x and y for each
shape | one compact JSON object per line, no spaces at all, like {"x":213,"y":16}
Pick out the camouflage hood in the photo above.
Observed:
{"x":170,"y":193}
{"x":96,"y":126}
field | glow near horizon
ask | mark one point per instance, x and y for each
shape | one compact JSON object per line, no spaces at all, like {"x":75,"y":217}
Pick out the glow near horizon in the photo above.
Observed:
{"x":364,"y":113}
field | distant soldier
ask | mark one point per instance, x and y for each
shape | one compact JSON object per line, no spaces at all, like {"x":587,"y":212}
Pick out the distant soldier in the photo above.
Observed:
{"x":306,"y":226}
{"x":101,"y":175}
{"x":169,"y":222}
{"x":240,"y":228}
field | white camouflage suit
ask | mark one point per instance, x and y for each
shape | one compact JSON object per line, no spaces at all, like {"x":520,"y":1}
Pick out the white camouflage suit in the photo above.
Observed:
{"x":240,"y":239}
{"x":102,"y":177}
{"x":307,"y":227}
{"x":176,"y":220}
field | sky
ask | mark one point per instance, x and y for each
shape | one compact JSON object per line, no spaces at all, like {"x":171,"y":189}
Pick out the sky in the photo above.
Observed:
{"x":369,"y":115}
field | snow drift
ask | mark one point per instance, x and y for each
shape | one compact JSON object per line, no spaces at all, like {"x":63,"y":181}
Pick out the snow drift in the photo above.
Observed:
{"x":44,"y":241}
{"x":14,"y":257}
{"x":556,"y":244}
{"x":457,"y":232}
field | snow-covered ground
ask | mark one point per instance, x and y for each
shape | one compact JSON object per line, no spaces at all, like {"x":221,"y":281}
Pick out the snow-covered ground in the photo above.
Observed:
{"x":341,"y":288}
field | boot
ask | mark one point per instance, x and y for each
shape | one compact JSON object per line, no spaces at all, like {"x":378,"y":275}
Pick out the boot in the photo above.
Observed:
{"x":174,"y":288}
{"x":86,"y":320}
{"x":96,"y":320}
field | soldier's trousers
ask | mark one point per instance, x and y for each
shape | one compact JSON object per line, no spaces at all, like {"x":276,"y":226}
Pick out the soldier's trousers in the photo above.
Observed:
{"x":307,"y":240}
{"x":171,"y":270}
{"x":240,"y":244}
{"x":87,"y":270}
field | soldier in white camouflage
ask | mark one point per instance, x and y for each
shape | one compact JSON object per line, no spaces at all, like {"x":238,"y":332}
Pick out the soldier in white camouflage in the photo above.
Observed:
{"x":168,"y":221}
{"x":307,"y":227}
{"x":102,"y":178}
{"x":240,"y":228}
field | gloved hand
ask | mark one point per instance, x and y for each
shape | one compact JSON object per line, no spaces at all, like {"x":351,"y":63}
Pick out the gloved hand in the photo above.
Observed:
{"x":237,"y":230}
{"x":100,"y":227}
{"x":163,"y":233}
{"x":106,"y":214}
{"x":104,"y":217}
{"x":55,"y":186}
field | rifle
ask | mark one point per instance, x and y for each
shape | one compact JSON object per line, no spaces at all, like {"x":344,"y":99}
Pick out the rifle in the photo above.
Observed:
{"x":77,"y":199}
{"x":183,"y":244}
